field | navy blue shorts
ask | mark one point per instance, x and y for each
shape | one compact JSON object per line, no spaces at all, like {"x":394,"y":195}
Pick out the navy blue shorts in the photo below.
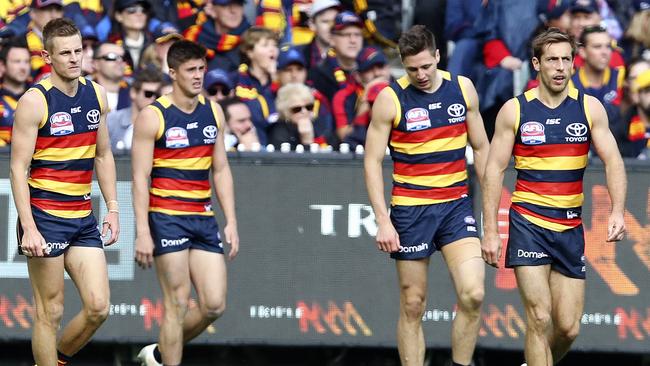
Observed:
{"x":424,"y":229}
{"x":61,"y":233}
{"x":531,"y":245}
{"x":172,"y":233}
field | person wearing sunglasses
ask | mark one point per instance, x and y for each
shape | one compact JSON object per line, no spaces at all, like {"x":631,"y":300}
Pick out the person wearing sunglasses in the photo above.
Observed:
{"x":110,"y":69}
{"x":295,"y":105}
{"x":144,"y":90}
{"x":217,"y":85}
{"x":130,"y":29}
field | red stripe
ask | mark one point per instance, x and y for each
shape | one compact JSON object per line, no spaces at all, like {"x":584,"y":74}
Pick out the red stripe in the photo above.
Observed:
{"x":47,"y":204}
{"x":416,"y":170}
{"x":549,"y":151}
{"x":436,"y":193}
{"x":184,"y":153}
{"x":75,"y":140}
{"x":567,"y":222}
{"x":430,"y":134}
{"x":549,"y":188}
{"x":180,"y":184}
{"x":66,"y":176}
{"x":177,"y":205}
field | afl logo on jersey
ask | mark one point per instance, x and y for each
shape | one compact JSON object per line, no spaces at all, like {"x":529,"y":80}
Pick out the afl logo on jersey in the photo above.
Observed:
{"x":176,"y":137}
{"x":61,"y":124}
{"x":532,"y":133}
{"x":417,"y":119}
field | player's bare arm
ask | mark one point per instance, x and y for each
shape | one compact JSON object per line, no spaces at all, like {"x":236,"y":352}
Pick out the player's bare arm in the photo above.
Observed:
{"x":383,"y":115}
{"x":497,"y":162}
{"x":225,"y":190}
{"x":608,"y":152}
{"x":145,"y":130}
{"x":105,"y":169}
{"x":475,"y":127}
{"x":29,"y":115}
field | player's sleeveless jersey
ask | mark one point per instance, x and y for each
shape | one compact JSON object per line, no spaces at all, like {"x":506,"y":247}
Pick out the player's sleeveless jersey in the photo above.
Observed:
{"x":64,"y":156}
{"x":551,"y":147}
{"x":427,"y":143}
{"x":182,"y":158}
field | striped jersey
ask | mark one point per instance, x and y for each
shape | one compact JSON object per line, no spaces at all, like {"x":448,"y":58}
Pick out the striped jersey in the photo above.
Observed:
{"x":551,"y":147}
{"x":182,"y":158}
{"x":427,"y":143}
{"x":64,"y":155}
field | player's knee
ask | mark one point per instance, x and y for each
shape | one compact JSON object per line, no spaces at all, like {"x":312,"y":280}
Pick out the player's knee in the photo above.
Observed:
{"x":568,"y":332}
{"x":214,"y":309}
{"x":51,"y":312}
{"x":177,"y":307}
{"x":413,"y":306}
{"x":97,"y":310}
{"x":539,"y":318}
{"x":470,"y":299}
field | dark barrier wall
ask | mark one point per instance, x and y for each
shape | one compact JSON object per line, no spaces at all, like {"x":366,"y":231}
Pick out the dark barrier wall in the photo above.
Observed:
{"x":309,"y":272}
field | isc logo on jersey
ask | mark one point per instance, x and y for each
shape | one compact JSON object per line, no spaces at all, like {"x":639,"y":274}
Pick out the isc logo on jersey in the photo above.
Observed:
{"x":61,"y":124}
{"x":417,"y":119}
{"x":176,"y":137}
{"x":532,"y":133}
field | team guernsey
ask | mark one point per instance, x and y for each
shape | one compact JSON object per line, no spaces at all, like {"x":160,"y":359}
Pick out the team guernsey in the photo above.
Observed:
{"x":551,"y":153}
{"x":430,"y":203}
{"x":180,"y":196}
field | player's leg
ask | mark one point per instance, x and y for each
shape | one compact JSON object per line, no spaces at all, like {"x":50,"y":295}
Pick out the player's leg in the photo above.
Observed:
{"x":568,"y":302}
{"x":467,"y":269}
{"x":87,"y":268}
{"x":533,"y":283}
{"x":46,"y":277}
{"x":208,"y":273}
{"x":412,"y":277}
{"x":174,"y":277}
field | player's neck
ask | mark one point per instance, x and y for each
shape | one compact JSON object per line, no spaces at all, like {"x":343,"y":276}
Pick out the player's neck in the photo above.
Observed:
{"x":435,"y":84}
{"x":66,"y":86}
{"x":184,"y":102}
{"x":551,"y":99}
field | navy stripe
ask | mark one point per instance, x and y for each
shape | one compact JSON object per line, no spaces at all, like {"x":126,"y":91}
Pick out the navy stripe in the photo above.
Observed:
{"x":76,"y":164}
{"x":555,"y":176}
{"x":173,"y":173}
{"x":429,"y":158}
{"x":38,"y":193}
{"x":556,"y":213}
{"x":424,"y":188}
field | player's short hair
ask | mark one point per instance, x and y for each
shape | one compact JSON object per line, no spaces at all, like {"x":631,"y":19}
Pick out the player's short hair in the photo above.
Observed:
{"x":183,"y":51}
{"x":61,"y":27}
{"x":250,"y":38}
{"x":416,"y":40}
{"x":551,"y":36}
{"x":592,"y":29}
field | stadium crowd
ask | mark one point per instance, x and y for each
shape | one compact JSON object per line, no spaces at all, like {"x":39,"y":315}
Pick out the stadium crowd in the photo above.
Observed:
{"x":306,"y":72}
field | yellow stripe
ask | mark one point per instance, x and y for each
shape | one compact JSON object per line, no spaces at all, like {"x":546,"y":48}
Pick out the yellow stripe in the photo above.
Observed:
{"x":398,"y":107}
{"x":71,"y":189}
{"x":444,"y":144}
{"x":246,"y":93}
{"x":573,"y":92}
{"x":201,"y":99}
{"x":161,"y":121}
{"x":462,"y":91}
{"x":207,"y":193}
{"x":215,"y":113}
{"x":263,"y":105}
{"x":621,"y":77}
{"x":443,"y":180}
{"x":530,"y":95}
{"x":551,"y":163}
{"x":517,"y":115}
{"x":403,"y":82}
{"x":174,"y":212}
{"x":99,"y":96}
{"x":46,"y":83}
{"x":164,"y":101}
{"x":587,"y":113}
{"x":44,"y":119}
{"x":69,"y":214}
{"x":65,"y":154}
{"x":411,"y":201}
{"x":184,"y":164}
{"x":445,"y":74}
{"x":546,"y":224}
{"x":567,"y":201}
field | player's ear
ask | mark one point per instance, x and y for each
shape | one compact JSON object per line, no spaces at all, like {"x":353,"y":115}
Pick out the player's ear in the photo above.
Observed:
{"x":535,"y":61}
{"x":46,"y":56}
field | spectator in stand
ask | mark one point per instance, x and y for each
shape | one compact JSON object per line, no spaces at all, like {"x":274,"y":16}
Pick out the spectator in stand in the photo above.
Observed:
{"x":585,"y":13}
{"x":633,"y":136}
{"x":110,"y":71}
{"x":239,"y":124}
{"x":259,"y":52}
{"x":15,"y":70}
{"x":42,"y":11}
{"x":221,"y":33}
{"x":555,"y":14}
{"x":292,"y":68}
{"x":636,"y":43}
{"x":89,"y":41}
{"x":459,"y":27}
{"x":294,"y":29}
{"x":295,"y":104}
{"x":156,"y":53}
{"x":145,"y":89}
{"x":338,"y":69}
{"x":321,"y":20}
{"x":130,"y":30}
{"x":630,"y":95}
{"x":218,"y":86}
{"x":595,"y":77}
{"x":352,"y":106}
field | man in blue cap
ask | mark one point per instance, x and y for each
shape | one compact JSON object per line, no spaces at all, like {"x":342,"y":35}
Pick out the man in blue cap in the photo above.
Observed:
{"x":217,"y":85}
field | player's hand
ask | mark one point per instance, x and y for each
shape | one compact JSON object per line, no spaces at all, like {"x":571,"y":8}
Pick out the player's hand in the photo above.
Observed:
{"x":111,"y":222}
{"x":511,"y":63}
{"x":144,"y":250}
{"x":33,"y":244}
{"x":387,"y":238}
{"x":491,"y":249}
{"x":615,"y":227}
{"x":232,"y":239}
